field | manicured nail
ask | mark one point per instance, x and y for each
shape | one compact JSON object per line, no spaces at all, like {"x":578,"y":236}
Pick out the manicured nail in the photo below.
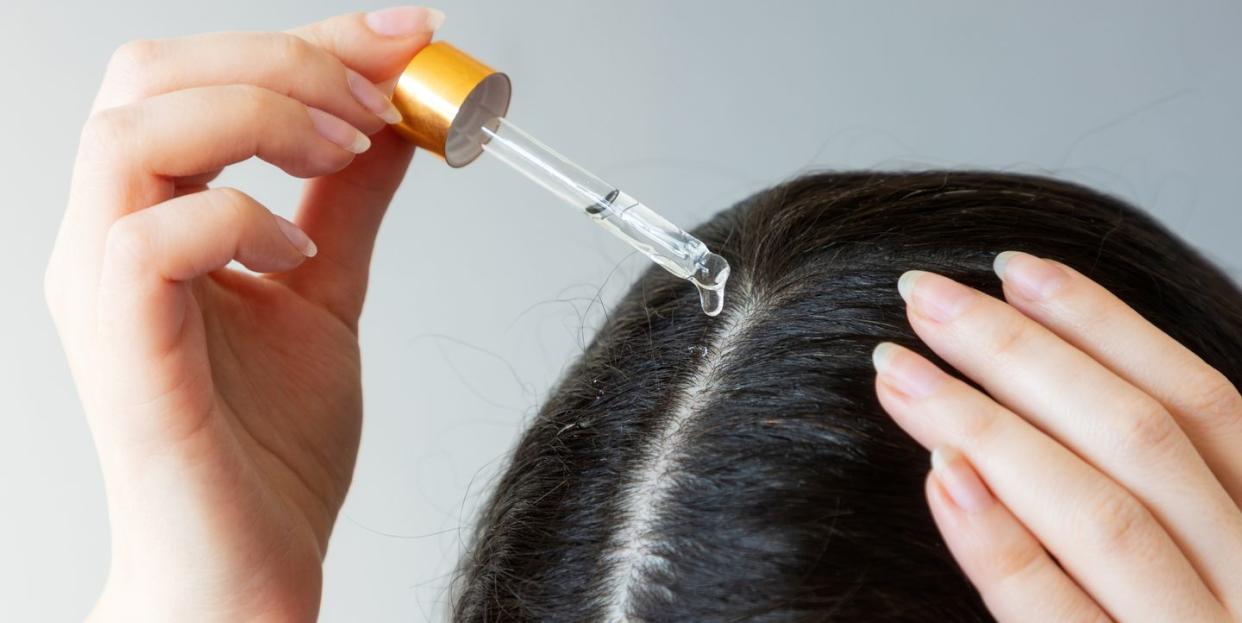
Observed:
{"x":370,"y":96}
{"x":339,"y":131}
{"x":1032,"y":277}
{"x":934,"y":296}
{"x":435,"y":19}
{"x":296,"y":236}
{"x":960,"y":480}
{"x":882,"y":355}
{"x":905,"y":371}
{"x":405,"y":21}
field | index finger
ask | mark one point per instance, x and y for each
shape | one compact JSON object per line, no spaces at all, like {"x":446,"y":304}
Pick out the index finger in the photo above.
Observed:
{"x":1204,"y":402}
{"x":173,"y":135}
{"x":377,"y":44}
{"x":1107,"y":421}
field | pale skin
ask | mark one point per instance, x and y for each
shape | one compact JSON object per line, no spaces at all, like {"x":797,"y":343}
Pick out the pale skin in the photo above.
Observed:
{"x":226,"y":407}
{"x":1100,"y":475}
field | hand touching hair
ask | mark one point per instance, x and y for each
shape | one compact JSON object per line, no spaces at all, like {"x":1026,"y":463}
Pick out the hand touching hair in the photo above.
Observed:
{"x":742,"y":468}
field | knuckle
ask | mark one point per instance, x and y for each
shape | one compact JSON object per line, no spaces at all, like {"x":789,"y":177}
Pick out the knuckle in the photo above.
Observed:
{"x":978,"y":425}
{"x":294,"y":51}
{"x":133,"y":55}
{"x":127,"y":69}
{"x":1148,"y":426}
{"x":1017,"y":562}
{"x":257,"y":104}
{"x":254,"y":98}
{"x":1010,"y":337}
{"x":1119,"y":525}
{"x":238,"y":205}
{"x":106,"y":128}
{"x":1216,"y":403}
{"x":231,"y":196}
{"x":128,"y":241}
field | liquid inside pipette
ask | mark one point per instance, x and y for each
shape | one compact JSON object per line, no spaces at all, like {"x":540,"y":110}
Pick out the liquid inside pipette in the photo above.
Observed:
{"x":663,"y":242}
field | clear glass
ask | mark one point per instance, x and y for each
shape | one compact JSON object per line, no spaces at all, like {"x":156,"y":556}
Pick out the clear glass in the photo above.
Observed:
{"x":616,"y":211}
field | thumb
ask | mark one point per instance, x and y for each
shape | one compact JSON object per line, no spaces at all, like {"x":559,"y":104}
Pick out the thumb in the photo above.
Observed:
{"x":342,"y":211}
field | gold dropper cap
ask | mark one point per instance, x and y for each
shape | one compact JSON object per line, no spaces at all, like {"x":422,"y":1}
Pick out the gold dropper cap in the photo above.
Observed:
{"x":446,"y":97}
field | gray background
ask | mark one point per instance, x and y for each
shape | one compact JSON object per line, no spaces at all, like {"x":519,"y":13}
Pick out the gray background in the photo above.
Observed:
{"x":485,"y":289}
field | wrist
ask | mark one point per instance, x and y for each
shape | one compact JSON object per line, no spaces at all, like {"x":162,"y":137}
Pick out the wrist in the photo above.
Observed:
{"x":187,"y":599}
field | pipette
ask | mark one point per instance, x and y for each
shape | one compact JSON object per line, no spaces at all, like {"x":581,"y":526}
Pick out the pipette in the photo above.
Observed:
{"x":455,"y":106}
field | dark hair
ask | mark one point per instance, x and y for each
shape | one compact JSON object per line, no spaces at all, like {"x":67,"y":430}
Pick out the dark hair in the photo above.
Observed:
{"x":740,"y":468}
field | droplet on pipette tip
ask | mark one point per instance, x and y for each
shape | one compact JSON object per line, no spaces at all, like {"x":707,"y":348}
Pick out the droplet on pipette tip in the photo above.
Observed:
{"x":709,"y":279}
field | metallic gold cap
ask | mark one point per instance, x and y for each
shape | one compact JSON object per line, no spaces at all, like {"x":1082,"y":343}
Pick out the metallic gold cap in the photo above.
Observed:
{"x":445,"y":97}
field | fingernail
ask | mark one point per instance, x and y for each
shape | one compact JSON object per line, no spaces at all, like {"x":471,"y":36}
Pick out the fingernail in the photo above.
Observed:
{"x":905,"y":371}
{"x":339,"y":131}
{"x":435,"y":19}
{"x":370,"y":96}
{"x":934,"y":296}
{"x":1032,"y":277}
{"x":405,"y":21}
{"x":882,"y":355}
{"x":296,"y":236}
{"x":960,"y":480}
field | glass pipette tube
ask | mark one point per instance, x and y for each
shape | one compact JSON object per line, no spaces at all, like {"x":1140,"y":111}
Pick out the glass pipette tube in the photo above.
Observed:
{"x":616,"y":211}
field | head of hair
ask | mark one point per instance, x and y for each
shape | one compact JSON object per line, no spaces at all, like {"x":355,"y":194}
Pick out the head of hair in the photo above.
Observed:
{"x":740,"y":468}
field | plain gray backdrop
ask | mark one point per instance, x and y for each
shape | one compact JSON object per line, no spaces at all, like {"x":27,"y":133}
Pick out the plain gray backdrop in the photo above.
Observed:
{"x":485,"y":287}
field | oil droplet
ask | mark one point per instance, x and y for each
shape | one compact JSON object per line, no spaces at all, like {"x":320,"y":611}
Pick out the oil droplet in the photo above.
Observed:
{"x":709,"y":278}
{"x":711,"y":300}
